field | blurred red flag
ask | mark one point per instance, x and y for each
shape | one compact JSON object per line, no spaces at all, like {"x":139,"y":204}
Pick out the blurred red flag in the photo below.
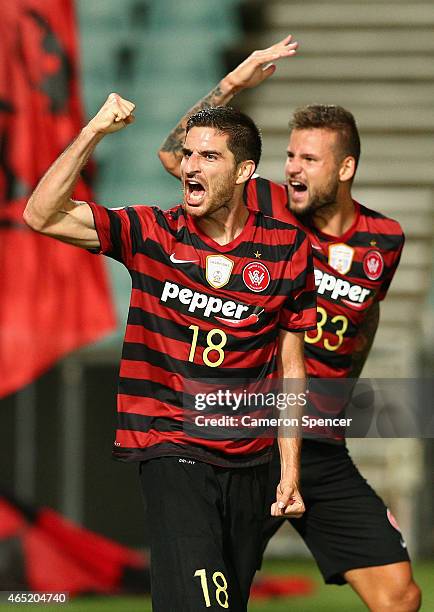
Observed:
{"x":40,"y":550}
{"x":54,"y":298}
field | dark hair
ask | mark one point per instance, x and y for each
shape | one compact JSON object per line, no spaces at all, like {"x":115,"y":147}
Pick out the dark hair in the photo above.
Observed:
{"x":244,"y":138}
{"x":333,"y":118}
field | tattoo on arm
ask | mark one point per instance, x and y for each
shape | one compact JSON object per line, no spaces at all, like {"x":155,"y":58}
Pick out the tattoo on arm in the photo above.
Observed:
{"x":175,"y":140}
{"x":364,"y":339}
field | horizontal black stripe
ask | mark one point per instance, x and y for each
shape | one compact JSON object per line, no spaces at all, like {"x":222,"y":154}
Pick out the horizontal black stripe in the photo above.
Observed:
{"x":194,"y":451}
{"x":273,"y":253}
{"x":185,"y":399}
{"x":271,"y":223}
{"x":12,"y":224}
{"x":330,"y":358}
{"x":373,"y":214}
{"x":147,"y":283}
{"x":187,"y":369}
{"x":330,"y":327}
{"x":154,"y":287}
{"x":176,"y":331}
{"x":332,"y":387}
{"x":304,"y":301}
{"x":139,"y":422}
{"x":151,"y":389}
{"x":357,"y":272}
{"x":385,"y":242}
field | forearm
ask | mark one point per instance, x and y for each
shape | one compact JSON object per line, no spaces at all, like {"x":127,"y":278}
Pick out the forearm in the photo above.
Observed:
{"x":290,"y":450}
{"x":170,"y":152}
{"x":289,"y":436}
{"x":53,"y":193}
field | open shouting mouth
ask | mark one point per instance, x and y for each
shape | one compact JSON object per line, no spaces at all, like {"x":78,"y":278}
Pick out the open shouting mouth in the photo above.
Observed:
{"x":195,"y":192}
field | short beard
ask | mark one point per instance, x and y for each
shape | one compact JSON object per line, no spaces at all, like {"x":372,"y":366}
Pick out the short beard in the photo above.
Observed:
{"x":223,"y":194}
{"x":322,"y":202}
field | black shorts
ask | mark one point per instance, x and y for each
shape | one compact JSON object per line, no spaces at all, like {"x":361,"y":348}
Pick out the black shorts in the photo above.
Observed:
{"x":346,"y":525}
{"x":205,"y":531}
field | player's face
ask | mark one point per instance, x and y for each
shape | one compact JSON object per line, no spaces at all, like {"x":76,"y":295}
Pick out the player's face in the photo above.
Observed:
{"x":312,"y":170}
{"x":208,"y":172}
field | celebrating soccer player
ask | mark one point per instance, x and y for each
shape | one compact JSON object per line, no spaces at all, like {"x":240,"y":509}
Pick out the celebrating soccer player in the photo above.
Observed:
{"x":219,"y":292}
{"x":350,"y":532}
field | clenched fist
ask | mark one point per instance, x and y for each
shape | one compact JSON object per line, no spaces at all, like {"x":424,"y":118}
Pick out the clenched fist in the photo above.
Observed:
{"x":115,"y":114}
{"x":289,"y":502}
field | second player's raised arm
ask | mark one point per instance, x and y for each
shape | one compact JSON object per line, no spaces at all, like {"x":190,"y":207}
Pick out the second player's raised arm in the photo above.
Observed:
{"x":50,"y":209}
{"x":255,"y":69}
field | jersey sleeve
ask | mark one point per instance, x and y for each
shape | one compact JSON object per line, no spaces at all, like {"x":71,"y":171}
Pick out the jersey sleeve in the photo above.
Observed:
{"x":299,"y":311}
{"x":391,"y":270}
{"x":122,"y":231}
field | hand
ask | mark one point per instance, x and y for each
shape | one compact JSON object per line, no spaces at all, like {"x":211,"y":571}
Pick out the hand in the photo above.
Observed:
{"x":289,"y":502}
{"x":256,"y":68}
{"x":115,"y":114}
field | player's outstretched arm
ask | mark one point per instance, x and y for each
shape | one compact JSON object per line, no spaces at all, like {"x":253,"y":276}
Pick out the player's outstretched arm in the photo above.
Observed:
{"x":291,"y":368}
{"x":250,"y":73}
{"x":50,"y":209}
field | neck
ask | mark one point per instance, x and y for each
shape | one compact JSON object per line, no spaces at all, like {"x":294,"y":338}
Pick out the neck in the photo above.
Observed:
{"x":337,"y":218}
{"x":226,"y":223}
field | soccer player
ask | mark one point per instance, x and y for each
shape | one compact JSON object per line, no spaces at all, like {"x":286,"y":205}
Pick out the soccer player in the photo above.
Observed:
{"x":350,"y":532}
{"x":218,"y":292}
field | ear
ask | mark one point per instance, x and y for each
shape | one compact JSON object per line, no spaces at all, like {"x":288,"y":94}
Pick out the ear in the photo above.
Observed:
{"x":245,"y":171}
{"x":347,"y":169}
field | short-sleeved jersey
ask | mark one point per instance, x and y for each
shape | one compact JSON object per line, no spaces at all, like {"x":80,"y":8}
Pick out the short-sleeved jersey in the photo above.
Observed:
{"x":351,"y":272}
{"x":200,"y":310}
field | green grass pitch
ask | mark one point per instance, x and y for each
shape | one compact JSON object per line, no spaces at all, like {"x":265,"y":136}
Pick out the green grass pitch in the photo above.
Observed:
{"x":324,"y":599}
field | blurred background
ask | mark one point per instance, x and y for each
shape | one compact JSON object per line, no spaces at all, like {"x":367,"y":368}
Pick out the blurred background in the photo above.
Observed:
{"x":374,"y":57}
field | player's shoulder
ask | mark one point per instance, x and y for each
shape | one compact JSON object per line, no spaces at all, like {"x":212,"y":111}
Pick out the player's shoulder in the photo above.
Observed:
{"x":377,"y":221}
{"x":162,"y":217}
{"x":153,"y":210}
{"x":269,"y":197}
{"x":269,"y":222}
{"x":278,"y":232}
{"x":261,"y":182}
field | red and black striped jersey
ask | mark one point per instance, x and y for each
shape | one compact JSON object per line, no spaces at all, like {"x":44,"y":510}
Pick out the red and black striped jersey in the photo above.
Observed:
{"x":201,"y":311}
{"x":351,"y":272}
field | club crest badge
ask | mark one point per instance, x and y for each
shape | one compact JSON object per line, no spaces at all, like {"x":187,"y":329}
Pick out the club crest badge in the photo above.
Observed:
{"x":218,"y":270}
{"x":373,"y":265}
{"x":256,"y":276}
{"x":341,"y":257}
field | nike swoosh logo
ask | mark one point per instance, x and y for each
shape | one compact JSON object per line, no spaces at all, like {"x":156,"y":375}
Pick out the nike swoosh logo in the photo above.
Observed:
{"x":174,"y":260}
{"x":314,"y":246}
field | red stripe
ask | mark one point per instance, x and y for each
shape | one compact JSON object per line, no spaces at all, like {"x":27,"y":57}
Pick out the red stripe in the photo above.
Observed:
{"x":136,"y":369}
{"x":148,"y":407}
{"x":320,"y":370}
{"x":378,"y":225}
{"x":252,"y":195}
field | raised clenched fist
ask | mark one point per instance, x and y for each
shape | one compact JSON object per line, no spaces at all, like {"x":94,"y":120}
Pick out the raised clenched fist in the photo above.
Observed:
{"x":115,"y":114}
